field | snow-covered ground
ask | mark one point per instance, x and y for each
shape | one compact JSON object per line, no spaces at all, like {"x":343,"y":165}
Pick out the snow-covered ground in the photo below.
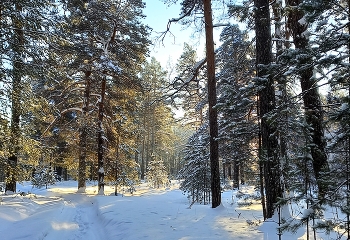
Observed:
{"x":61,"y":213}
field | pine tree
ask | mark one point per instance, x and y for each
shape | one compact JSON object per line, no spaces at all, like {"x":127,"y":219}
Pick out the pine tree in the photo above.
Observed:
{"x":236,"y":103}
{"x":24,"y":29}
{"x":332,"y":50}
{"x":311,"y":98}
{"x":189,"y":8}
{"x":153,"y":122}
{"x":98,"y":63}
{"x":266,"y":104}
{"x":212,"y":99}
{"x":189,"y":85}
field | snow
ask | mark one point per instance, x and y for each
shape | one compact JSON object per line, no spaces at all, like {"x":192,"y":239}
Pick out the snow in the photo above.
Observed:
{"x":307,"y":212}
{"x":60,"y":212}
{"x":302,"y":21}
{"x":306,"y":34}
{"x":344,"y":106}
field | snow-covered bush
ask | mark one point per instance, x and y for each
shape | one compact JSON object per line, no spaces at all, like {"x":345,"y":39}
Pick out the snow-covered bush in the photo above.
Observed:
{"x":125,"y":182}
{"x":44,"y":176}
{"x":124,"y":175}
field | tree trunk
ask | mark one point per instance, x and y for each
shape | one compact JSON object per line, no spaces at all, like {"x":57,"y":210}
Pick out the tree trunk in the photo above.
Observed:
{"x":269,"y":143}
{"x":16,"y":110}
{"x":282,"y":89}
{"x":100,"y":165}
{"x":116,"y":166}
{"x":348,"y":152}
{"x":213,"y":124}
{"x":236,"y":174}
{"x":83,"y":135}
{"x":229,"y":170}
{"x":224,"y":167}
{"x":143,"y":157}
{"x":241,"y":173}
{"x":148,"y":144}
{"x":153,"y":128}
{"x":148,"y":138}
{"x":143,"y":152}
{"x":311,"y":98}
{"x":261,"y":167}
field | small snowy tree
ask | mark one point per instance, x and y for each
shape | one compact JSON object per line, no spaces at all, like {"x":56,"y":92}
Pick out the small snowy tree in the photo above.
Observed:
{"x":126,"y":175}
{"x":195,"y":174}
{"x":156,"y":175}
{"x":44,"y":176}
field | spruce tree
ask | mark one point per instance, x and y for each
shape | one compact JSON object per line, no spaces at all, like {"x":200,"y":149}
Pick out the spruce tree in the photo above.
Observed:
{"x":195,"y":174}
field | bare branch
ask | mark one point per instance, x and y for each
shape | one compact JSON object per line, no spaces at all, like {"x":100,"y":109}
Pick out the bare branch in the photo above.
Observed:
{"x":58,"y":117}
{"x":186,"y":14}
{"x":184,"y":83}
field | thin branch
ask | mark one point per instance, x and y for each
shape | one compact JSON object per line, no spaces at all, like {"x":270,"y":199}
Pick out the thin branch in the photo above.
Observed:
{"x":58,"y":117}
{"x":186,"y":14}
{"x":194,"y":73}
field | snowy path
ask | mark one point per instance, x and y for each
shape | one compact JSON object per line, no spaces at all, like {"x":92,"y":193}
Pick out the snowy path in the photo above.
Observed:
{"x":59,"y":213}
{"x":165,"y":215}
{"x":71,"y":216}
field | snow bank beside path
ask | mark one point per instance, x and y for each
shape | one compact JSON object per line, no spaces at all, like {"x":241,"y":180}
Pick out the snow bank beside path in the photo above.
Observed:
{"x":46,"y":216}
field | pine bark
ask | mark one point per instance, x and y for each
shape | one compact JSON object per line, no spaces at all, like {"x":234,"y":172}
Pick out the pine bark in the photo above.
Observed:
{"x":100,"y":162}
{"x":236,"y":174}
{"x":116,"y":165}
{"x":143,"y":151}
{"x":282,"y":89}
{"x":269,"y":143}
{"x":213,"y":124}
{"x":348,"y":153}
{"x":84,"y":134}
{"x":311,"y":98}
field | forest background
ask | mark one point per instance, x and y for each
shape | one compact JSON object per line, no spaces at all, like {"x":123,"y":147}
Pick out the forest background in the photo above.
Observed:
{"x":81,"y":100}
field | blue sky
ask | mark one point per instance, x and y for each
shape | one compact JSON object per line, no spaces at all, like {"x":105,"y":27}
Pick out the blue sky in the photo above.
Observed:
{"x":171,"y":48}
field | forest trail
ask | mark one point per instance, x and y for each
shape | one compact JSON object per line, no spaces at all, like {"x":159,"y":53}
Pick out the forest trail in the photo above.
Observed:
{"x":60,"y":213}
{"x":165,"y":214}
